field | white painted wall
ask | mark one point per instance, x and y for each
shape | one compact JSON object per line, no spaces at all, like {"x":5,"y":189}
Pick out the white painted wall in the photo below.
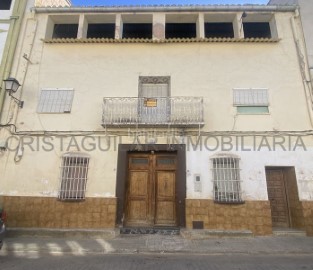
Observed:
{"x":252,"y":166}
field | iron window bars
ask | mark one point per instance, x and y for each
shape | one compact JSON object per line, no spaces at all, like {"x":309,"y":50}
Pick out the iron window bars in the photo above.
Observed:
{"x":73,"y":176}
{"x":226,"y":179}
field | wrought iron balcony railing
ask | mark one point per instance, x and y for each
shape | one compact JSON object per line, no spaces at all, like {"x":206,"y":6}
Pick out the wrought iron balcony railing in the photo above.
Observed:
{"x":174,"y":111}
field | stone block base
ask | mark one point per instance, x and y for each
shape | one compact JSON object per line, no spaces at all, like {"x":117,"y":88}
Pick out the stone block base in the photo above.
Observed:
{"x":252,"y":215}
{"x":41,"y":212}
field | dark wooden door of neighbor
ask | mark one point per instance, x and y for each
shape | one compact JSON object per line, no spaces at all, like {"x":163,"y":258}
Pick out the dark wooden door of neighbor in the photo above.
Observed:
{"x":151,"y":190}
{"x":277,"y":195}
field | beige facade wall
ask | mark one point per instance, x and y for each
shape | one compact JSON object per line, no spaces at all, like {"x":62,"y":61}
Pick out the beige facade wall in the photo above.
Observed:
{"x":94,"y":71}
{"x":210,"y":70}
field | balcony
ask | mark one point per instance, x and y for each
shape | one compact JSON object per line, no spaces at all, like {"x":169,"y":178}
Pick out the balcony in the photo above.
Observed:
{"x":158,"y":111}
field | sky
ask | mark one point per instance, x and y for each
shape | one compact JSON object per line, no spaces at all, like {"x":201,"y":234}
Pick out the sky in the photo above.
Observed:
{"x":164,"y":2}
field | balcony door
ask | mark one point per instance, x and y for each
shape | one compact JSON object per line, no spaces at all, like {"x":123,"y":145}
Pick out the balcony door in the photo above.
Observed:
{"x":154,"y":106}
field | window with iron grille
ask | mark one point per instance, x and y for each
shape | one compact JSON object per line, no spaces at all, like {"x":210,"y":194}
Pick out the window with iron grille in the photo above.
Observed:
{"x":55,"y":100}
{"x":226,"y":179}
{"x":74,"y":171}
{"x":251,"y":100}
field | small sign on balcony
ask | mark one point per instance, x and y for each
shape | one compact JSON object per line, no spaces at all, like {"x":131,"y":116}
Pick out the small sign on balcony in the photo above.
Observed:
{"x":150,"y":102}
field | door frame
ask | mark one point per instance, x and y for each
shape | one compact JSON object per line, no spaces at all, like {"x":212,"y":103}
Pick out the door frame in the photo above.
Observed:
{"x":285,"y":191}
{"x":122,"y":174}
{"x":286,"y":178}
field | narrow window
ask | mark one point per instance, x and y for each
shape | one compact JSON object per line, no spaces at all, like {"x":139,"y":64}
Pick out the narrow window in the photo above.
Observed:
{"x":251,"y":101}
{"x":55,"y":101}
{"x":101,"y":30}
{"x":180,"y":30}
{"x":5,"y":4}
{"x":74,"y":171}
{"x":257,"y":30}
{"x":137,"y":30}
{"x":226,"y":180}
{"x":216,"y":30}
{"x":65,"y":31}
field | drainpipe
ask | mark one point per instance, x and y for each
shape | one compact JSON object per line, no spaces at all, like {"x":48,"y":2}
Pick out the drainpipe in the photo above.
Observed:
{"x":303,"y":63}
{"x":10,"y":46}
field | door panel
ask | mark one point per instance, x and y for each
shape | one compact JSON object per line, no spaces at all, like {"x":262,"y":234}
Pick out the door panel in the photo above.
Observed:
{"x":151,"y":195}
{"x":138,"y":184}
{"x":277,"y":197}
{"x":138,"y":213}
{"x":165,"y":184}
{"x":165,"y":198}
{"x":138,"y":197}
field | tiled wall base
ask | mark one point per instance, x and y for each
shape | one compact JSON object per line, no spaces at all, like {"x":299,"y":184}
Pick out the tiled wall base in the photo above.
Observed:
{"x":50,"y":213}
{"x":97,"y":213}
{"x":252,"y":215}
{"x":308,"y":217}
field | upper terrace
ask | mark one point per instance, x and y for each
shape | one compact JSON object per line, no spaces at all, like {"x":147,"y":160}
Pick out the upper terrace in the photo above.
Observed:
{"x":160,"y":23}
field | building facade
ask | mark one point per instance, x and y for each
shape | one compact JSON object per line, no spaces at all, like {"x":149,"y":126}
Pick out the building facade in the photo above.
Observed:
{"x":159,"y":116}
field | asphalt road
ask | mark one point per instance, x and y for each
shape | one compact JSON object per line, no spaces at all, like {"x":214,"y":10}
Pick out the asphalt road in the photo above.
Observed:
{"x":56,"y":261}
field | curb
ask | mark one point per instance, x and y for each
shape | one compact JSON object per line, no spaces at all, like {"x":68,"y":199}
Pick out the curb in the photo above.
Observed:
{"x":83,"y":252}
{"x":61,"y":233}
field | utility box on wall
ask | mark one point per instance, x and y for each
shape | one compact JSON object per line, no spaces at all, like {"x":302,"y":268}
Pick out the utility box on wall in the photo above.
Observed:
{"x":197,"y":183}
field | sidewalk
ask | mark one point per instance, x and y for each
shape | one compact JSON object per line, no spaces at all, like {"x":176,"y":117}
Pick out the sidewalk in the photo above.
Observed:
{"x":128,"y":244}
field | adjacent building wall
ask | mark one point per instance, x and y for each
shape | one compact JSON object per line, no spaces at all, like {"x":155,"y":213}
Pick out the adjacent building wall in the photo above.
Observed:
{"x":10,"y":23}
{"x":52,"y":3}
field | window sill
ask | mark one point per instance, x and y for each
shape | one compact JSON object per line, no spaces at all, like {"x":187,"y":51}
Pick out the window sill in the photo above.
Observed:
{"x":225,"y":202}
{"x":253,"y":114}
{"x":71,"y":200}
{"x":66,"y":112}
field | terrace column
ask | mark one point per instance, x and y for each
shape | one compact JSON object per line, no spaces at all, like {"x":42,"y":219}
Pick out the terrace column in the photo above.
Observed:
{"x":158,"y":31}
{"x":82,"y":27}
{"x":118,"y":26}
{"x":200,"y":26}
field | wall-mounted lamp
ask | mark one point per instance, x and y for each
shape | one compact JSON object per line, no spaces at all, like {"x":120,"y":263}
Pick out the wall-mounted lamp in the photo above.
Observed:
{"x":11,"y":86}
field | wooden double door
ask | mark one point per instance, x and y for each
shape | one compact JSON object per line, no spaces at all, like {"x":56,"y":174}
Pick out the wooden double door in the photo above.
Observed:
{"x":151,"y":190}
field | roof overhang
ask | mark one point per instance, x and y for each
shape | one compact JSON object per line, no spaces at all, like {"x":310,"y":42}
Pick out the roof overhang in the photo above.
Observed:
{"x":167,"y":8}
{"x":172,"y":40}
